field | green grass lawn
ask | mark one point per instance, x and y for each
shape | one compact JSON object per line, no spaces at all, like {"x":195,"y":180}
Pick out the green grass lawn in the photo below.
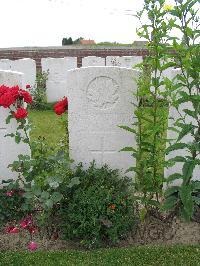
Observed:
{"x":139,"y":256}
{"x":49,"y":125}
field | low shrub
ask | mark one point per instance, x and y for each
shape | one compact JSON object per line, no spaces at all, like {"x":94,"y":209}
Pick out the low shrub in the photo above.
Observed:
{"x":10,"y":206}
{"x":100,"y":209}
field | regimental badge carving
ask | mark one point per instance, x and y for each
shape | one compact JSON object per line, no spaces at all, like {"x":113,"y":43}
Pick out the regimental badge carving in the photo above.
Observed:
{"x":103,"y":92}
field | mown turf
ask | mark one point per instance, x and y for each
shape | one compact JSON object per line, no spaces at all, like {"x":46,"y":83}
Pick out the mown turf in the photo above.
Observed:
{"x":49,"y":125}
{"x":144,"y":256}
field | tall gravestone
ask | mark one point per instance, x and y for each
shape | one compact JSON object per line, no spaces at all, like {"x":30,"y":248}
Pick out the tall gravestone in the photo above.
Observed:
{"x":123,"y":61}
{"x":27,"y":66}
{"x":172,"y":135}
{"x":93,"y":61}
{"x":57,"y":77}
{"x":101,"y":99}
{"x":9,"y":150}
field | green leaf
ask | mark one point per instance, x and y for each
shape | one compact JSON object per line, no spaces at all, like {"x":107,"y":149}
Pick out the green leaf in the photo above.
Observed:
{"x":171,"y":190}
{"x":190,"y":113}
{"x":45,"y":195}
{"x":178,"y":159}
{"x":196,"y":200}
{"x":74,"y":181}
{"x":17,"y":138}
{"x":128,"y":149}
{"x":186,"y":198}
{"x":130,"y":169}
{"x":28,"y":195}
{"x":10,"y":135}
{"x":195,"y":185}
{"x":8,"y":119}
{"x":56,"y":197}
{"x":49,"y":203}
{"x":185,"y":130}
{"x":169,"y":203}
{"x":174,"y":177}
{"x":167,"y":65}
{"x":128,"y":129}
{"x":188,"y":169}
{"x":176,"y":146}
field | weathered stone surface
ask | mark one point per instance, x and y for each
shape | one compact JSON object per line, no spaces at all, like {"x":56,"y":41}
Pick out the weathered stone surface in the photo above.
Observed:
{"x":100,"y":99}
{"x":123,"y":61}
{"x":57,"y":78}
{"x":9,"y":150}
{"x":93,"y":61}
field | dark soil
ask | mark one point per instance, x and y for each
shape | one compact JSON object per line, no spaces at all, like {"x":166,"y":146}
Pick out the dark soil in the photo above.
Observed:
{"x":155,"y":230}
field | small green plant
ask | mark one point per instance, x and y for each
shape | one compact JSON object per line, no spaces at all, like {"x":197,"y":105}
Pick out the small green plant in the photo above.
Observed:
{"x":39,"y":92}
{"x":99,"y":210}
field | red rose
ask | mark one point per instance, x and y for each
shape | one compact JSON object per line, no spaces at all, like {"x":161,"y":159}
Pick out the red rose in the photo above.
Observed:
{"x":10,"y":193}
{"x":15,"y":230}
{"x":7,"y":99}
{"x":3,"y":89}
{"x":26,"y":96}
{"x":61,"y":106}
{"x":28,"y":86}
{"x":21,"y":113}
{"x":59,"y":110}
{"x":12,"y":230}
{"x":14,"y":91}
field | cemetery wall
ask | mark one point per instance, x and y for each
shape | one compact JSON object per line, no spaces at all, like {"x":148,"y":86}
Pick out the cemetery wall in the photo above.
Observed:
{"x":37,"y":53}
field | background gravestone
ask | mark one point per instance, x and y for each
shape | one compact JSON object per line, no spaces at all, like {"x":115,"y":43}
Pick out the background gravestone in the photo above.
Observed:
{"x":100,"y":99}
{"x":93,"y":61}
{"x":9,"y":150}
{"x":57,"y":78}
{"x":5,"y":64}
{"x":27,"y":66}
{"x":123,"y":61}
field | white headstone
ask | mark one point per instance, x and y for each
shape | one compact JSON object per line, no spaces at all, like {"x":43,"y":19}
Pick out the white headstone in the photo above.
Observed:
{"x":9,"y":150}
{"x":93,"y":61}
{"x":101,"y":99}
{"x":174,"y":115}
{"x":123,"y":61}
{"x":5,"y":64}
{"x":27,"y":66}
{"x":57,"y":78}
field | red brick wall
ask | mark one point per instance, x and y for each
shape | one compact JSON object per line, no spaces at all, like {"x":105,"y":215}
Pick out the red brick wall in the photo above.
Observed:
{"x":79,"y":52}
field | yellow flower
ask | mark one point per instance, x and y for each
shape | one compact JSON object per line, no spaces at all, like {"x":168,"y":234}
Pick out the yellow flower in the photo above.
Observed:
{"x":168,"y":7}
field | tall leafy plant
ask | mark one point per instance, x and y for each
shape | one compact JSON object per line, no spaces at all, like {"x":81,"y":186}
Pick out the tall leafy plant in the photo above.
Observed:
{"x":187,"y":103}
{"x":151,"y":113}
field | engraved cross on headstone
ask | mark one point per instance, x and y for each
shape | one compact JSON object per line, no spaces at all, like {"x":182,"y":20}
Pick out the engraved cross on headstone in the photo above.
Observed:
{"x":103,"y":150}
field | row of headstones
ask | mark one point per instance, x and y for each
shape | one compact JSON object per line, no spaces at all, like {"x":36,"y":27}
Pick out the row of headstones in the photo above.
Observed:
{"x":58,"y":67}
{"x":100,"y":99}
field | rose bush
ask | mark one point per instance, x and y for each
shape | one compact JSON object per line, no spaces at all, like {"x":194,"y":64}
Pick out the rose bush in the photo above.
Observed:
{"x":39,"y":175}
